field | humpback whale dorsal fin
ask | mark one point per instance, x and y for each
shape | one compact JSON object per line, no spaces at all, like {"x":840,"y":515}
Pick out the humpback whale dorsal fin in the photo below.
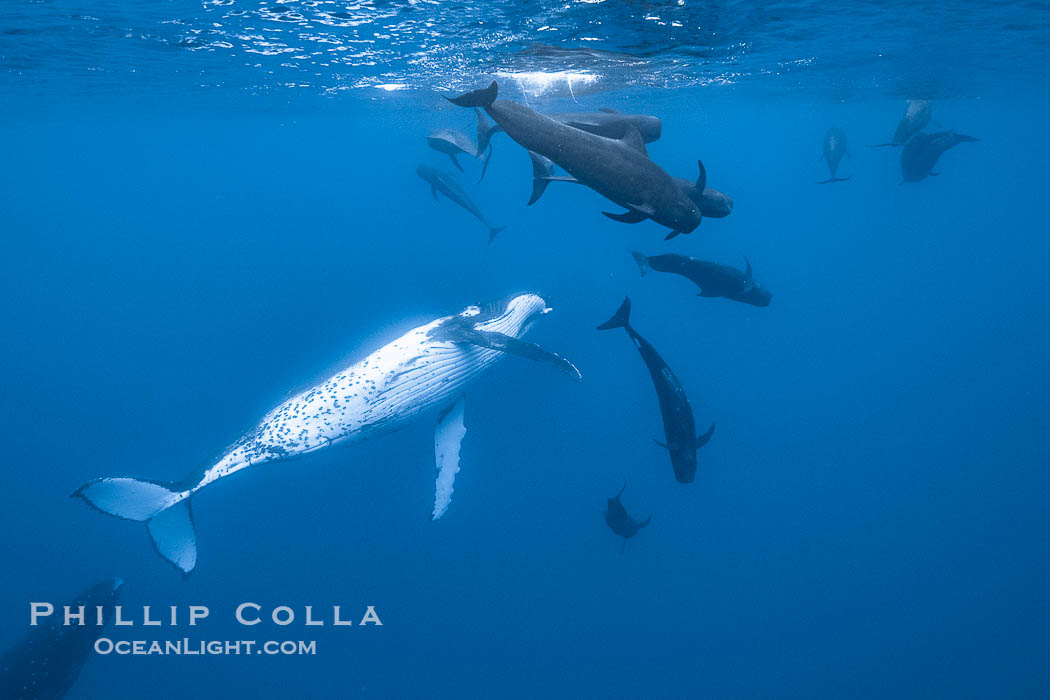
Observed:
{"x":448,"y":436}
{"x":609,"y":110}
{"x":747,"y":273}
{"x":633,"y":138}
{"x":461,"y":333}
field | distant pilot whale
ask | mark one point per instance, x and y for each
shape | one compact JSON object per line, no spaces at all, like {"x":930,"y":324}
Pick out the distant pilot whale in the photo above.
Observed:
{"x":620,"y":522}
{"x":453,"y":143}
{"x":618,"y":169}
{"x":446,"y":184}
{"x":679,"y":425}
{"x":428,"y":368}
{"x":714,"y":279}
{"x":46,"y":663}
{"x":834,"y":149}
{"x":921,"y":153}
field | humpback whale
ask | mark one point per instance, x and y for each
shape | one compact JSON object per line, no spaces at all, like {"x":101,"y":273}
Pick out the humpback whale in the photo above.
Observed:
{"x":920,"y":154}
{"x":834,"y":149}
{"x":679,"y":426}
{"x":427,"y":368}
{"x":45,"y":664}
{"x":916,"y":116}
{"x":446,"y":184}
{"x":714,"y":280}
{"x":618,"y":169}
{"x":605,"y":122}
{"x":620,"y":522}
{"x":453,"y":143}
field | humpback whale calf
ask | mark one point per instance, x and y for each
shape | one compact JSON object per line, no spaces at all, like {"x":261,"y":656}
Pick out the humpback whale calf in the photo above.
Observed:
{"x":920,"y":154}
{"x":446,"y":184}
{"x":620,"y":522}
{"x":618,"y":169}
{"x":714,"y":280}
{"x":679,"y":426}
{"x":605,"y":122}
{"x":46,"y":663}
{"x":834,"y":148}
{"x":427,"y":368}
{"x":916,"y":116}
{"x":453,"y":143}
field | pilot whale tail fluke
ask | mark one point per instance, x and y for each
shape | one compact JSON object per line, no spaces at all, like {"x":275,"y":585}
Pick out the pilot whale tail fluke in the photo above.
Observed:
{"x":621,"y":319}
{"x":162,"y":506}
{"x":642,"y":260}
{"x":493,"y":230}
{"x":477,"y":98}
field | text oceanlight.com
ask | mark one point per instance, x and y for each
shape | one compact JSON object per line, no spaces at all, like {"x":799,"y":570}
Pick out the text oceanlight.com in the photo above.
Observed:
{"x":190,"y":647}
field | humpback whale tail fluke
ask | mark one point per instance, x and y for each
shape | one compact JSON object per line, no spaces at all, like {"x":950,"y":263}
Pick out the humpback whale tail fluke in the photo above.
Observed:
{"x":643,"y":262}
{"x":621,"y":319}
{"x":493,"y":230}
{"x":477,"y":98}
{"x":162,"y":506}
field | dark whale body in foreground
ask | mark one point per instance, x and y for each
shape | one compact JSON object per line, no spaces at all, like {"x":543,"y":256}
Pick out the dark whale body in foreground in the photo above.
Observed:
{"x":834,"y":149}
{"x":46,"y":663}
{"x":619,"y":521}
{"x":447,"y":185}
{"x":714,"y":279}
{"x":619,"y":169}
{"x":679,"y":425}
{"x":920,"y":154}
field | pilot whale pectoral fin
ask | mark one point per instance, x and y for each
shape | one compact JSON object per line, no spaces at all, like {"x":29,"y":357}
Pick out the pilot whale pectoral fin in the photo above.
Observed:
{"x":670,"y":447}
{"x":505,"y":343}
{"x":448,"y":436}
{"x":672,"y":234}
{"x":542,"y":169}
{"x":560,"y":178}
{"x":455,"y":162}
{"x":702,"y":440}
{"x":434,"y":193}
{"x":747,"y":272}
{"x":635,"y":213}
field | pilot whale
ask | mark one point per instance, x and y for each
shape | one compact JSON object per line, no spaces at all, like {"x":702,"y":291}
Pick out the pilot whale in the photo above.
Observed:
{"x":618,"y":169}
{"x":446,"y":184}
{"x":679,"y":425}
{"x":834,"y":149}
{"x":714,"y":279}
{"x":923,"y":150}
{"x":46,"y":663}
{"x":427,"y":368}
{"x":618,"y":520}
{"x":605,"y":122}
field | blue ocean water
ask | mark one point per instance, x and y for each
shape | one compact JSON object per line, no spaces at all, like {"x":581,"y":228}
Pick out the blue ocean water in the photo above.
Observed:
{"x":207,"y":206}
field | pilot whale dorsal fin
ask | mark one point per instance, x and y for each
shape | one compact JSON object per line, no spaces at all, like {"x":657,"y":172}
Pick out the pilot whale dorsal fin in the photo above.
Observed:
{"x":460,"y":333}
{"x":747,"y":272}
{"x":633,"y":138}
{"x":448,"y":436}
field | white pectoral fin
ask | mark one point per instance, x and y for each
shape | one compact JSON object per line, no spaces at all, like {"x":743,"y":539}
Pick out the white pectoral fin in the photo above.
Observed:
{"x":447,"y":438}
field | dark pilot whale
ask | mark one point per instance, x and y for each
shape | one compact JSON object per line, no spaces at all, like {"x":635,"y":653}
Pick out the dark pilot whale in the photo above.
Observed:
{"x":605,"y":122}
{"x":618,"y":169}
{"x":446,"y":184}
{"x":920,"y":154}
{"x":620,"y":522}
{"x":426,"y":371}
{"x":45,"y":663}
{"x":710,"y":201}
{"x":834,"y":149}
{"x":679,"y":426}
{"x":916,"y":116}
{"x":714,"y":279}
{"x":453,"y":143}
